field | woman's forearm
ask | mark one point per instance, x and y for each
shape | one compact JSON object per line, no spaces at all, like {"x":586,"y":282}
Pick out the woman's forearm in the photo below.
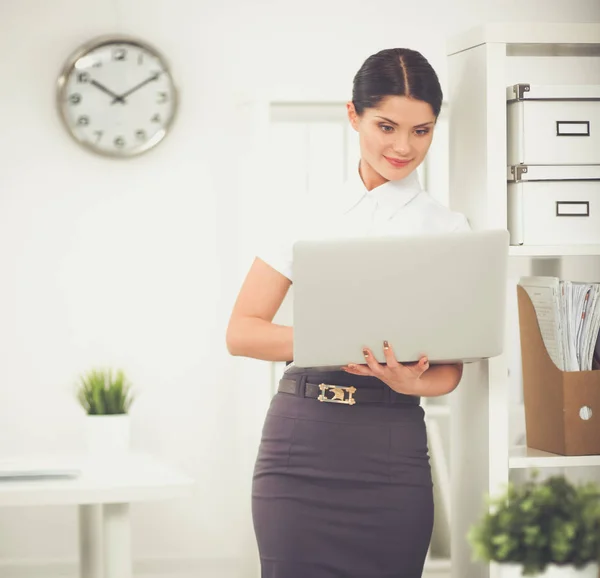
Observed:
{"x":439,"y":380}
{"x":260,"y":339}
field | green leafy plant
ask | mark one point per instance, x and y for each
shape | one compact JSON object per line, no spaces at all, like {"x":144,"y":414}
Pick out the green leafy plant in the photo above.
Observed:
{"x":536,"y":524}
{"x":101,"y":393}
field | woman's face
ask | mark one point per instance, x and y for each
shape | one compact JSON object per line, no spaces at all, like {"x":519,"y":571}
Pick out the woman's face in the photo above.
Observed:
{"x":394,"y":137}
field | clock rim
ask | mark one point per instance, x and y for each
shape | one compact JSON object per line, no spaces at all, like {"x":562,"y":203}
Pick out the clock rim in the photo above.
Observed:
{"x":94,"y":44}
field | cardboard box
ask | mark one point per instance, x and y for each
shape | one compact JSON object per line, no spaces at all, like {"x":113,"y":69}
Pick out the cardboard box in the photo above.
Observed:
{"x":562,"y":408}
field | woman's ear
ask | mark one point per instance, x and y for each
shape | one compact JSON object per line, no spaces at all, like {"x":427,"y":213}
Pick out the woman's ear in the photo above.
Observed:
{"x":352,"y":115}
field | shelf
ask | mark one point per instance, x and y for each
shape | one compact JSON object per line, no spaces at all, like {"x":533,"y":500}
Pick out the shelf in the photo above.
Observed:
{"x":553,"y":250}
{"x":527,"y":33}
{"x":524,"y":457}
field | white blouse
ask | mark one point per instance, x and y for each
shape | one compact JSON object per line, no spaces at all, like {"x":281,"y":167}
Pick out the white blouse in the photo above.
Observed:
{"x":393,"y":208}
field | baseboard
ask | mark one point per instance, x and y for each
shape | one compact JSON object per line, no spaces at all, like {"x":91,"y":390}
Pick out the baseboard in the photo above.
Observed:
{"x":149,"y":568}
{"x":168,"y":568}
{"x":37,"y":569}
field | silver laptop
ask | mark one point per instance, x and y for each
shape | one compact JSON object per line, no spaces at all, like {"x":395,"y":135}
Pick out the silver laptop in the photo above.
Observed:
{"x":441,"y":295}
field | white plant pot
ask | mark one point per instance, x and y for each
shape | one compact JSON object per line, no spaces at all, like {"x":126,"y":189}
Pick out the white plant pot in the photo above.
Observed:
{"x":107,"y":434}
{"x":552,"y":571}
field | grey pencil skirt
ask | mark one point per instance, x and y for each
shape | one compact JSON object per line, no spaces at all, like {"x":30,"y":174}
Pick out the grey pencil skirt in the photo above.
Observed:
{"x":342,"y":491}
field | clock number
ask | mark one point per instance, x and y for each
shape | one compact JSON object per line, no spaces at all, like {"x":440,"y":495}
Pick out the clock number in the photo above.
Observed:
{"x":120,"y":54}
{"x":83,"y":120}
{"x":156,"y":118}
{"x":140,"y":58}
{"x":83,"y":77}
{"x":98,"y":134}
{"x":120,"y":142}
{"x":162,"y":97}
{"x":75,"y":98}
{"x":97,"y":64}
{"x":140,"y":134}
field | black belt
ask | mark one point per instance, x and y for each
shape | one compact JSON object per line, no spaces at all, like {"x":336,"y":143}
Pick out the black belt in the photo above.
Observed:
{"x":345,"y":394}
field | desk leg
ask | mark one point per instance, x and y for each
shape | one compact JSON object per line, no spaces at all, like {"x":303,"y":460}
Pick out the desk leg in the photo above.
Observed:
{"x":117,"y":541}
{"x":90,"y":541}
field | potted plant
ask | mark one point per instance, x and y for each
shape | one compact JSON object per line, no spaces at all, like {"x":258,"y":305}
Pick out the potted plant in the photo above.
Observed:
{"x":549,"y":528}
{"x":106,"y":398}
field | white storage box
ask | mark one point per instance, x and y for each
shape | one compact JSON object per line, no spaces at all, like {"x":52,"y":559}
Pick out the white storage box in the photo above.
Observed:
{"x":553,"y":125}
{"x":554,"y":205}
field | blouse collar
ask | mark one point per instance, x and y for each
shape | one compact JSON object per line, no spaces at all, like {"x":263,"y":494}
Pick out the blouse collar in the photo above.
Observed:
{"x":390,"y":196}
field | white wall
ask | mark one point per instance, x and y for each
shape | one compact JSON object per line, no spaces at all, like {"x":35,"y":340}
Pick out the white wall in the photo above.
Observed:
{"x":135,"y":264}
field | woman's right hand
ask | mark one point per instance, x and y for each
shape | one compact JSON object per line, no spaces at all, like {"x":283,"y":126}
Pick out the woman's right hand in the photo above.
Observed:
{"x":418,"y":379}
{"x":401,"y":377}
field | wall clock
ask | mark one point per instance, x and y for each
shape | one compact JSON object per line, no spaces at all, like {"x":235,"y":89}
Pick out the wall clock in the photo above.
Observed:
{"x":117,"y":97}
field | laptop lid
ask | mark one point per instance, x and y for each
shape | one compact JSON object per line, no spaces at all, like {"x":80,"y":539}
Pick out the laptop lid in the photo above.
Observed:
{"x":440,"y":295}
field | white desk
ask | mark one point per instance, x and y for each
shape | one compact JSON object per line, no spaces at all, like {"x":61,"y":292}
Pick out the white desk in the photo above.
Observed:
{"x":103,"y":492}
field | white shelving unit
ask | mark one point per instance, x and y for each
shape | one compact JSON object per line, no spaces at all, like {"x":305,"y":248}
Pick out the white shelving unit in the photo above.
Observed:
{"x":521,"y":457}
{"x":482,"y":63}
{"x":554,"y":250}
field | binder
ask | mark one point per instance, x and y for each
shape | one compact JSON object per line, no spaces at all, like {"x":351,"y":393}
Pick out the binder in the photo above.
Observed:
{"x":562,"y":408}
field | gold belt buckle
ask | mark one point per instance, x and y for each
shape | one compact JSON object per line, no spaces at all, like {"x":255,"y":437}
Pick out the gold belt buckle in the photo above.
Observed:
{"x":339,"y":392}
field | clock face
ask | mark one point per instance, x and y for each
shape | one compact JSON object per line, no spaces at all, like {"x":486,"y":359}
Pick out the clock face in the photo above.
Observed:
{"x":117,"y":97}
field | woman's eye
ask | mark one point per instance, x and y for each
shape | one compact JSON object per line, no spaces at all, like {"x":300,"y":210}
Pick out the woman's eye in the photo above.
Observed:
{"x":422,"y":131}
{"x":386,"y":127}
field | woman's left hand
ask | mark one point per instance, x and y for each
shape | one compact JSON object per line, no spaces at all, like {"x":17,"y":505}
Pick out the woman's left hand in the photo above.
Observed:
{"x":402,"y":378}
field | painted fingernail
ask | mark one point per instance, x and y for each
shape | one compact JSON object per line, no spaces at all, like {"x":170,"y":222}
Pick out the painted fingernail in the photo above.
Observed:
{"x":425,"y":361}
{"x":365,"y":353}
{"x":351,"y":366}
{"x":386,"y":345}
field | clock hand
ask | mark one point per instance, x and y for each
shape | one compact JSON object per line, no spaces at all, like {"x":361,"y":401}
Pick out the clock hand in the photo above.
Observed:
{"x":138,"y":86}
{"x":109,"y":92}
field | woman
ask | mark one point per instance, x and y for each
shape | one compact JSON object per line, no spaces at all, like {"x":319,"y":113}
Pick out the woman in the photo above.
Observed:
{"x":345,"y":491}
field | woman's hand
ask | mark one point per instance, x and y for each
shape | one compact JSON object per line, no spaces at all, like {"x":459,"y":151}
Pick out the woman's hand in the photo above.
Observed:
{"x":409,"y":378}
{"x":402,"y":378}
